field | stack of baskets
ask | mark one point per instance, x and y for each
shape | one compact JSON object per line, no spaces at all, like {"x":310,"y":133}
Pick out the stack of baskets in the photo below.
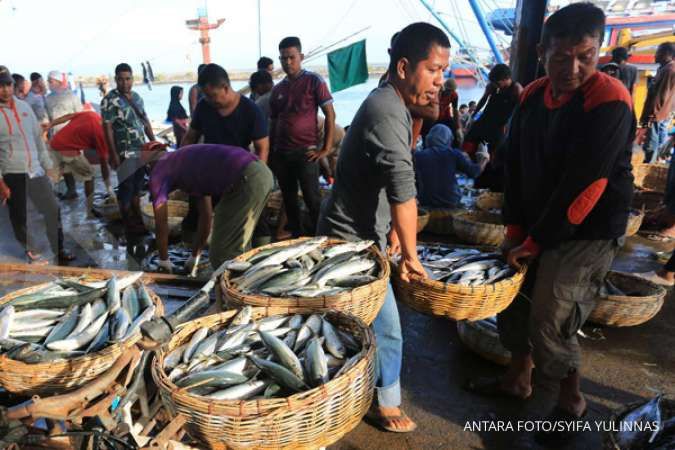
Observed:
{"x":309,"y":419}
{"x":456,"y":301}
{"x":479,"y":228}
{"x":440,"y":221}
{"x":422,"y":219}
{"x":363,"y":302}
{"x":490,"y":201}
{"x":57,"y":377}
{"x":483,"y":340}
{"x":652,"y":177}
{"x":643,"y":300}
{"x":177,"y":210}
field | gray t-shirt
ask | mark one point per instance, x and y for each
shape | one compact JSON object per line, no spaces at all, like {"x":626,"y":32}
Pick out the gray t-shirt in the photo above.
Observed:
{"x":374,"y":169}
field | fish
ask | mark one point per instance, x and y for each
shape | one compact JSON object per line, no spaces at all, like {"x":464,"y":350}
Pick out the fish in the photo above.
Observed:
{"x":295,"y":322}
{"x":242,"y":391}
{"x":206,"y":347}
{"x":238,"y":266}
{"x":130,"y":303}
{"x":282,"y":353}
{"x":197,"y":337}
{"x":629,"y":436}
{"x":271,"y":322}
{"x":212,"y":378}
{"x":279,"y":283}
{"x":235,"y":339}
{"x":290,"y":338}
{"x":333,"y":343}
{"x":38,"y":314}
{"x":65,"y":326}
{"x":343,"y":270}
{"x":292,"y":251}
{"x":6,"y":318}
{"x":74,"y":342}
{"x":83,"y":321}
{"x":280,"y":332}
{"x":477,"y":265}
{"x":243,"y":317}
{"x":347,"y":247}
{"x":113,"y":295}
{"x":316,"y":364}
{"x":56,"y":301}
{"x":244,"y":282}
{"x":272,"y":390}
{"x":119,"y":324}
{"x":352,"y":281}
{"x":280,"y":373}
{"x":8,"y":344}
{"x":99,"y":341}
{"x":144,"y":300}
{"x":135,"y":326}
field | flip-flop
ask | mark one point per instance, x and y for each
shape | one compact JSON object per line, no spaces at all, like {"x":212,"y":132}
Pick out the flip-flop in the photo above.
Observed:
{"x":490,"y":387}
{"x":36,"y":259}
{"x":382,"y":421}
{"x":559,"y":435}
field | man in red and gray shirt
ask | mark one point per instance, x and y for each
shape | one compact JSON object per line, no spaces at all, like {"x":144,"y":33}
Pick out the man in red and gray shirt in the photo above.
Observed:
{"x":294,"y":133}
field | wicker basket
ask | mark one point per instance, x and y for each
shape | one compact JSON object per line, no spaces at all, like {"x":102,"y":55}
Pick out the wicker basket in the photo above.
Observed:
{"x":488,"y":201}
{"x":456,"y":301}
{"x":483,"y":341}
{"x":57,"y":377}
{"x":628,"y":311}
{"x":634,"y":222}
{"x":179,"y":195}
{"x":479,"y":227}
{"x":307,"y":420}
{"x":440,"y":221}
{"x":650,"y":201}
{"x":177,"y":212}
{"x":651,"y":176}
{"x":363,"y":302}
{"x":667,"y":412}
{"x":422,"y":219}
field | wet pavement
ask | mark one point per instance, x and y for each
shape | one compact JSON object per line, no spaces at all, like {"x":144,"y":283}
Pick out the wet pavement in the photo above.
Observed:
{"x":625,"y":365}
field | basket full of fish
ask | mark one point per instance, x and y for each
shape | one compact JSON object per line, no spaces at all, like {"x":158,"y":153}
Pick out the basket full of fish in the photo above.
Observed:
{"x":317,"y":273}
{"x":643,"y":426}
{"x":268,"y":377}
{"x":463,"y":283}
{"x":62,"y":334}
{"x":626,"y":300}
{"x":482,"y":337}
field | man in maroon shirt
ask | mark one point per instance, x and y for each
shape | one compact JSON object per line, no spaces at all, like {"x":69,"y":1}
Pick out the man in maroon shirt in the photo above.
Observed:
{"x":294,"y":133}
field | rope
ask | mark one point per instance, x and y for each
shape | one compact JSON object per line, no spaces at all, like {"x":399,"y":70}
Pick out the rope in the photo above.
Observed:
{"x":339,"y":22}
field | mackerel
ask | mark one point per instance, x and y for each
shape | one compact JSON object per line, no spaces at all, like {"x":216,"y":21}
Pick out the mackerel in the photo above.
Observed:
{"x":241,"y":392}
{"x":333,"y":343}
{"x":130,"y":303}
{"x":282,"y":353}
{"x":81,"y":339}
{"x":343,"y":270}
{"x":316,"y":364}
{"x":280,"y":373}
{"x":65,"y":326}
{"x":243,"y":317}
{"x":6,"y":318}
{"x":38,"y":314}
{"x":84,"y":320}
{"x":196,"y":338}
{"x":119,"y":324}
{"x":140,"y":320}
{"x":347,"y":247}
{"x":100,"y":341}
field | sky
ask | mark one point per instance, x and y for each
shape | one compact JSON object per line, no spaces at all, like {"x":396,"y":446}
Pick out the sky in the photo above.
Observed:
{"x":89,"y":37}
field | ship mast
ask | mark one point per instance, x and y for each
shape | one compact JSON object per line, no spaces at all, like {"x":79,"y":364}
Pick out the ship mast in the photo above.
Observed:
{"x":201,"y":24}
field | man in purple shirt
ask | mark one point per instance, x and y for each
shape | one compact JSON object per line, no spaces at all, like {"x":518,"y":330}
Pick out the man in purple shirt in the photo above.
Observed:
{"x":294,"y":132}
{"x":238,"y":177}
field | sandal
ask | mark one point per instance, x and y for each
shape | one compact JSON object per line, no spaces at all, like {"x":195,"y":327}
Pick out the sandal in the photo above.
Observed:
{"x":491,"y":387}
{"x":36,"y":259}
{"x":386,"y":422}
{"x":559,"y":435}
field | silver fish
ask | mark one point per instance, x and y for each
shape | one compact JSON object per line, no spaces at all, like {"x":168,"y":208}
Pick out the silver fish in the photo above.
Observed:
{"x":295,"y":322}
{"x":243,"y":317}
{"x":135,"y":326}
{"x":238,"y":266}
{"x":478,"y":265}
{"x":100,"y":340}
{"x":237,"y":365}
{"x":177,"y":372}
{"x":291,"y":252}
{"x":74,"y":342}
{"x":212,"y":377}
{"x":235,"y":339}
{"x":241,"y":392}
{"x":271,"y":322}
{"x":119,"y":324}
{"x":245,"y":282}
{"x":280,"y":373}
{"x":316,"y":364}
{"x":278,"y":283}
{"x":38,"y":314}
{"x":290,"y":338}
{"x":196,"y":338}
{"x":174,"y":357}
{"x":113,"y":295}
{"x":130,"y":302}
{"x":206,"y":347}
{"x":333,"y":343}
{"x":65,"y":327}
{"x":280,"y":332}
{"x":282,"y":353}
{"x":344,"y":270}
{"x":353,"y":281}
{"x":347,"y":247}
{"x":144,"y":300}
{"x":6,"y":317}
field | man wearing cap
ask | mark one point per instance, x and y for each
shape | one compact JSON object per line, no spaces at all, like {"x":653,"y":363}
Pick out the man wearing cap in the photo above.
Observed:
{"x":23,"y":162}
{"x":125,"y":124}
{"x":59,"y":102}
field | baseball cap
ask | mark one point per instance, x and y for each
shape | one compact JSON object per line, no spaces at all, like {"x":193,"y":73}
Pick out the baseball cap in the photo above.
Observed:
{"x":5,"y":76}
{"x":55,"y":75}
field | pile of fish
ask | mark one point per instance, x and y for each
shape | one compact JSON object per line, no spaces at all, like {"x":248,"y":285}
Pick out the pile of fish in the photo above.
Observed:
{"x":179,"y":255}
{"x":269,"y":358}
{"x":68,"y":318}
{"x":464,"y":266}
{"x":649,"y":426}
{"x":306,"y":270}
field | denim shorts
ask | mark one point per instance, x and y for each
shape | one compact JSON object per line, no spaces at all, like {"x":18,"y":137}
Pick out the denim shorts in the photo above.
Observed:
{"x":131,"y":179}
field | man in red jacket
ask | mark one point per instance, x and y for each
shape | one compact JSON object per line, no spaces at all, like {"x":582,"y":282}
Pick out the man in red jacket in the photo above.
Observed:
{"x":568,"y":190}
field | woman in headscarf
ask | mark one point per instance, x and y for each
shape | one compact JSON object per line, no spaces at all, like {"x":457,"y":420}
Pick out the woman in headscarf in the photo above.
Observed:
{"x":177,"y":115}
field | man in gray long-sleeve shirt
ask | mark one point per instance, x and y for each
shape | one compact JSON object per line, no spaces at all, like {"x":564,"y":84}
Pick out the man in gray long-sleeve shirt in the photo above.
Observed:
{"x":23,"y":162}
{"x":374,"y":191}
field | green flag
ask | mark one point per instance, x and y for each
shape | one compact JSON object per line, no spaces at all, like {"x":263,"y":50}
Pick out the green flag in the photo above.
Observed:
{"x":347,"y":66}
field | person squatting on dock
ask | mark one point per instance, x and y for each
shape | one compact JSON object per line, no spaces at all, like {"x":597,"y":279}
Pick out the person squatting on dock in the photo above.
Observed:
{"x":568,"y":190}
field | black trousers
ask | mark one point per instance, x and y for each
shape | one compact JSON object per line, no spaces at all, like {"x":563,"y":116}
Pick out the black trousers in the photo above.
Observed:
{"x":291,"y":168}
{"x":39,"y":191}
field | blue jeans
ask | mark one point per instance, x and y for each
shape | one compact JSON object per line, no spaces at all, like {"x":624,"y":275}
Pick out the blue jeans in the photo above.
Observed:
{"x":389,"y":354}
{"x":657,"y":134}
{"x":130,"y":181}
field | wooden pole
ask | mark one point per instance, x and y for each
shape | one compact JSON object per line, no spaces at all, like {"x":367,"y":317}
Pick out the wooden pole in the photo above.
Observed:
{"x":530,"y":16}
